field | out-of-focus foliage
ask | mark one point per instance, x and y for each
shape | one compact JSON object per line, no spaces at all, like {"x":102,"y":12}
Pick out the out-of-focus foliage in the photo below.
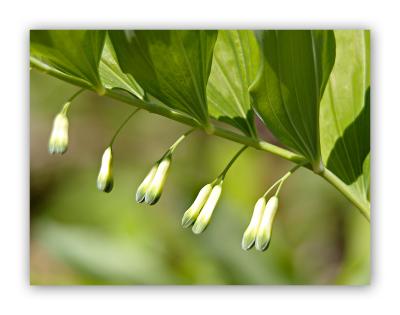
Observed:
{"x":82,"y":236}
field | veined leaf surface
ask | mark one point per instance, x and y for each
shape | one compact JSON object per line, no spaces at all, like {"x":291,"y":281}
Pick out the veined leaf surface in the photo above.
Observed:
{"x":76,"y":53}
{"x":288,"y":91}
{"x":345,"y":112}
{"x":112,"y":75}
{"x":173,"y":66}
{"x":235,"y":65}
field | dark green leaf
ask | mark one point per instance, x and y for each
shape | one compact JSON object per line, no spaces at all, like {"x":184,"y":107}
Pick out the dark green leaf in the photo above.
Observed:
{"x":289,"y":89}
{"x":345,"y":112}
{"x":173,"y":66}
{"x":235,"y":65}
{"x":75,"y":53}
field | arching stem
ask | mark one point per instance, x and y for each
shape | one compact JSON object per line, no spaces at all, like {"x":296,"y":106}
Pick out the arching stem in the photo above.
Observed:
{"x":122,"y":126}
{"x":226,"y":169}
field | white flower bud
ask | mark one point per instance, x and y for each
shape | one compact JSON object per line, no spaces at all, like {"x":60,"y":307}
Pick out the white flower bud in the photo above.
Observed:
{"x":205,"y":214}
{"x":191,"y":214}
{"x":141,"y":191}
{"x":58,"y":142}
{"x":265,"y":228}
{"x":249,"y":235}
{"x":154,"y":190}
{"x":105,"y":180}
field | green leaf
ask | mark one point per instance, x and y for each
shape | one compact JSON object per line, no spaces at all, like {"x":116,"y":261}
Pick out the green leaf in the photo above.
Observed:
{"x":173,"y":66}
{"x":289,"y":88}
{"x":235,"y":65}
{"x":112,"y":75}
{"x":345,"y":112}
{"x":74,"y":53}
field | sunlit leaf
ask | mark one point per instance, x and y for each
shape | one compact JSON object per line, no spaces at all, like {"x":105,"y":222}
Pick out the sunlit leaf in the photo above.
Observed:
{"x":235,"y":65}
{"x":289,"y":89}
{"x":75,"y":53}
{"x":345,"y":112}
{"x":112,"y":75}
{"x":173,"y":66}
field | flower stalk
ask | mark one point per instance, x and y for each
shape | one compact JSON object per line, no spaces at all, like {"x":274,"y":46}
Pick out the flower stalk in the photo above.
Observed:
{"x":151,"y":188}
{"x":259,"y":230}
{"x":200,"y":212}
{"x":105,"y":180}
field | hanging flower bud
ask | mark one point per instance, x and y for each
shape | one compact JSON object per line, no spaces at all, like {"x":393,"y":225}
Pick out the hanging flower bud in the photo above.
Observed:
{"x":249,"y":235}
{"x":153,"y":192}
{"x":265,"y":228}
{"x":192,"y":213}
{"x":58,"y":142}
{"x":141,"y":191}
{"x":105,"y":180}
{"x":205,"y":214}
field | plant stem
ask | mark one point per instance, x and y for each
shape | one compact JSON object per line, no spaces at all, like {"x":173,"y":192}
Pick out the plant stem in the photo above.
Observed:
{"x":180,"y":139}
{"x":174,"y":115}
{"x":281,"y":180}
{"x":219,"y":132}
{"x":363,"y":206}
{"x":226,"y":169}
{"x":66,"y":106}
{"x":122,"y":126}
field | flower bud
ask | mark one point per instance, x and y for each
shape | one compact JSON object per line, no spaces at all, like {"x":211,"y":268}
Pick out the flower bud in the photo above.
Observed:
{"x":154,"y":190}
{"x":58,"y":142}
{"x":191,"y":214}
{"x":265,"y":228}
{"x":205,"y":214}
{"x":141,"y":191}
{"x":249,"y":235}
{"x":105,"y":180}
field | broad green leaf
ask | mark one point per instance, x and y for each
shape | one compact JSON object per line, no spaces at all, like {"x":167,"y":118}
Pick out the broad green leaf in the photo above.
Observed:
{"x":75,"y":53}
{"x":173,"y":66}
{"x":345,"y":112}
{"x":112,"y":75}
{"x":235,"y":65}
{"x":289,"y":88}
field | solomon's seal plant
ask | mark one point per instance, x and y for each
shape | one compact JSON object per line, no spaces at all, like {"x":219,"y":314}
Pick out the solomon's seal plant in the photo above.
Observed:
{"x":310,"y":88}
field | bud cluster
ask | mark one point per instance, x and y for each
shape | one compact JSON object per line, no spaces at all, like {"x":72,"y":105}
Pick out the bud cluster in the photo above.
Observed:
{"x":200,"y":212}
{"x":260,"y":228}
{"x":152,"y":186}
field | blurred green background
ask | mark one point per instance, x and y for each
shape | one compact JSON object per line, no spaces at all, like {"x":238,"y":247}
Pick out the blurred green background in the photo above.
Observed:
{"x":82,"y":236}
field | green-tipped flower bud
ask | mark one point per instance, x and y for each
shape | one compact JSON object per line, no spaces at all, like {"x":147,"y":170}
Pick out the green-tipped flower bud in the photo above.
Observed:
{"x":141,"y":191}
{"x":265,"y":228}
{"x":58,"y":142}
{"x":205,"y":214}
{"x":154,"y":190}
{"x":192,"y":213}
{"x":105,"y":180}
{"x":249,"y":236}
